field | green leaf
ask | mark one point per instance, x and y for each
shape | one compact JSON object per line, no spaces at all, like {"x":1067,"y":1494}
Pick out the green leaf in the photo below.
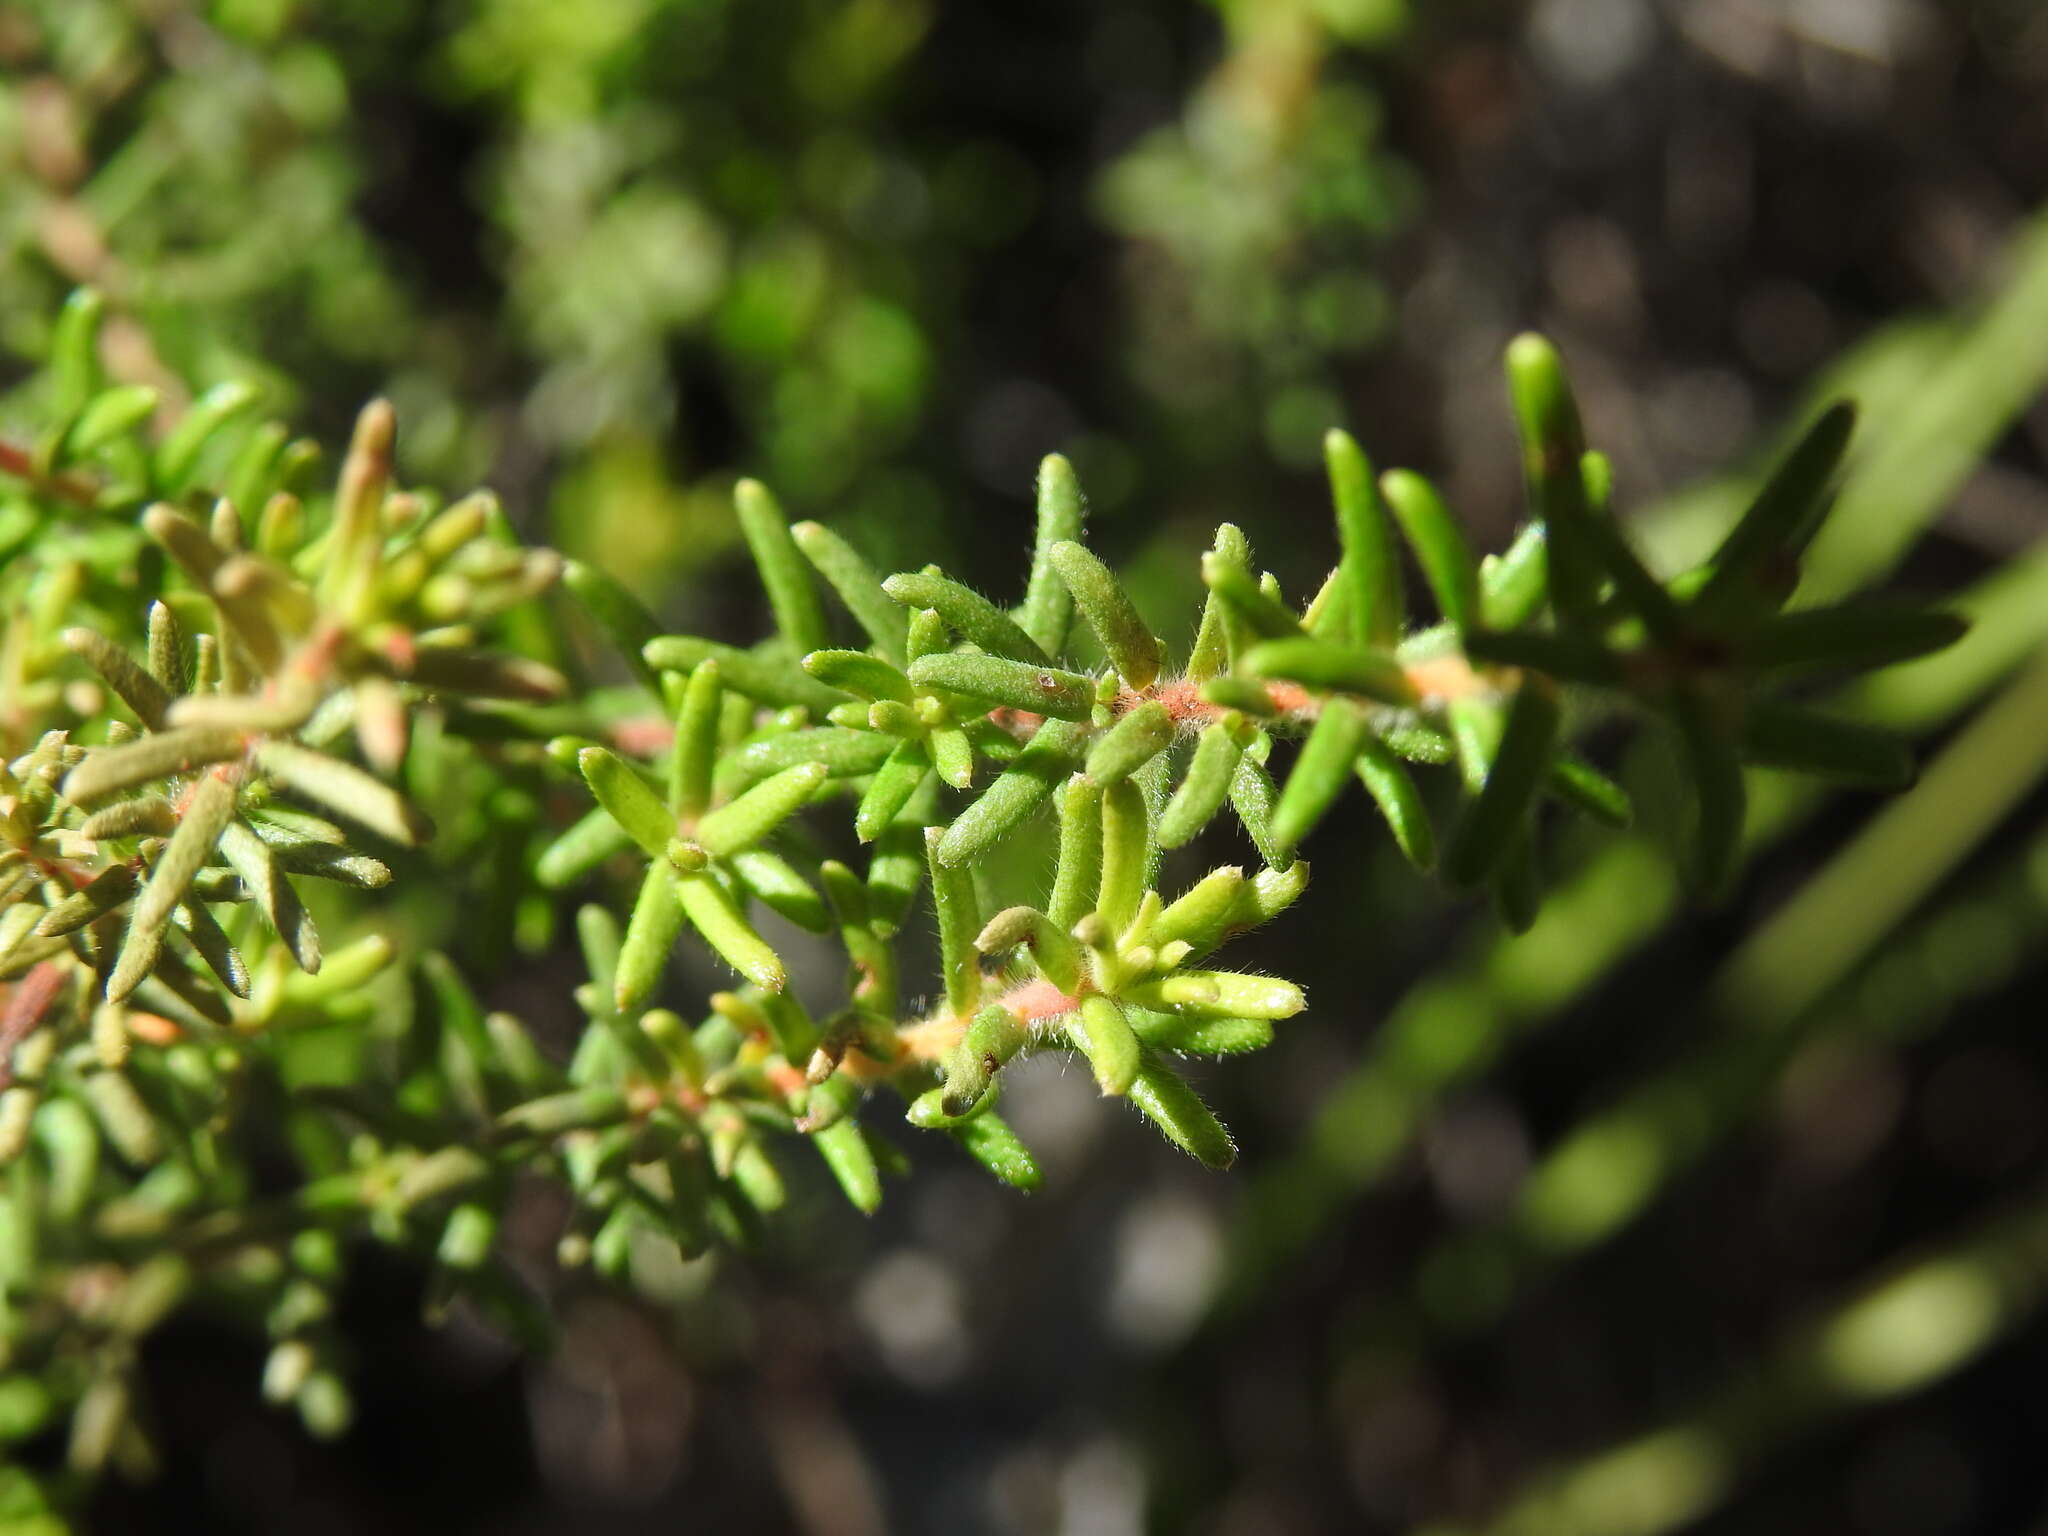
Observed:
{"x":206,"y":815}
{"x":1039,"y":689}
{"x":1077,"y":871}
{"x":718,"y":919}
{"x":1578,"y":783}
{"x":110,"y":414}
{"x":579,"y":1109}
{"x":138,"y":690}
{"x":1189,"y":1036}
{"x":992,"y":1037}
{"x":1104,"y":1035}
{"x":890,"y":789}
{"x":1547,"y":418}
{"x":1180,"y":1115}
{"x":1132,"y":649}
{"x":1325,"y":664}
{"x":1851,"y":635}
{"x":1369,"y":571}
{"x":257,"y":863}
{"x":1126,"y":855}
{"x":896,"y":868}
{"x":1048,"y":609}
{"x":1755,"y":561}
{"x":755,"y":814}
{"x":978,"y":621}
{"x":109,"y":770}
{"x":596,"y":837}
{"x":1319,"y":775}
{"x":693,"y":751}
{"x":166,"y":648}
{"x":1053,"y":949}
{"x":1439,"y":545}
{"x":1252,"y":795}
{"x":346,"y":790}
{"x":991,"y":1143}
{"x":1202,"y":914}
{"x":846,"y":1152}
{"x":844,"y":754}
{"x":177,"y":457}
{"x":1261,"y":614}
{"x":651,"y":934}
{"x":1518,"y":769}
{"x":952,"y":755}
{"x":1052,"y":753}
{"x":1806,"y":741}
{"x":1219,"y":995}
{"x":960,"y":924}
{"x":1130,"y":744}
{"x":859,"y":673}
{"x":627,"y":799}
{"x":1220,"y":639}
{"x":858,"y":586}
{"x":1570,"y":658}
{"x":769,"y":677}
{"x":1394,"y":791}
{"x":774,"y":882}
{"x":102,"y":894}
{"x":1720,"y":796}
{"x":626,"y":623}
{"x":1514,"y":584}
{"x":783,"y":570}
{"x":1206,"y":785}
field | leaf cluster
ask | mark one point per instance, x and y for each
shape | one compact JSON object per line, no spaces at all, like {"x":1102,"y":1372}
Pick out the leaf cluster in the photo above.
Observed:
{"x":227,"y":690}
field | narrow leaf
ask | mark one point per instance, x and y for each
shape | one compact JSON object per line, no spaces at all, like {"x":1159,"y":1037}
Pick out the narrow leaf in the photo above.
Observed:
{"x":346,"y":790}
{"x":1052,"y":753}
{"x":1207,"y":783}
{"x":206,"y":814}
{"x":1048,"y":608}
{"x":1369,"y":570}
{"x":1439,"y":545}
{"x":974,"y":617}
{"x":1806,"y":741}
{"x":859,"y":588}
{"x":890,"y":789}
{"x":1394,"y":791}
{"x":1078,"y":870}
{"x":625,"y":795}
{"x":755,"y":814}
{"x":1180,"y":1115}
{"x":718,"y":919}
{"x":625,"y":621}
{"x":1132,"y":648}
{"x":1755,"y":559}
{"x":1325,"y":664}
{"x":784,"y":571}
{"x":579,"y":850}
{"x":859,"y":673}
{"x":1517,"y":771}
{"x":109,"y":770}
{"x":1042,"y":690}
{"x":991,"y":1143}
{"x":1320,"y":773}
{"x":768,"y":677}
{"x":1131,"y":743}
{"x":959,"y":925}
{"x":1104,"y":1035}
{"x":138,"y":690}
{"x":651,"y":934}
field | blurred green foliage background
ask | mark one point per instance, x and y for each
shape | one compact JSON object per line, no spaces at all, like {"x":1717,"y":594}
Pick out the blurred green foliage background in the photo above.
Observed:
{"x":1569,"y":1229}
